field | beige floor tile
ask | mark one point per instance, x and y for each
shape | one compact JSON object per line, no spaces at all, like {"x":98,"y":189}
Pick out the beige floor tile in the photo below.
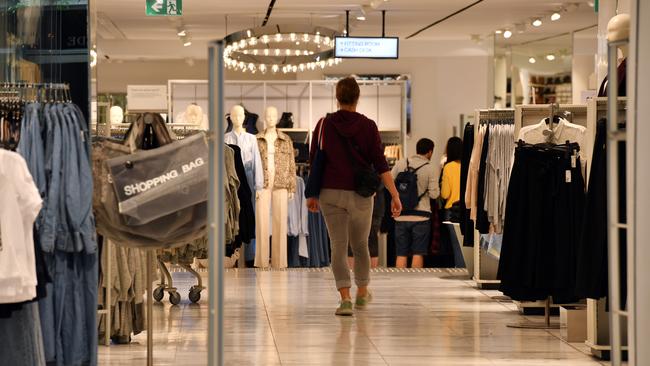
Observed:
{"x":286,"y":318}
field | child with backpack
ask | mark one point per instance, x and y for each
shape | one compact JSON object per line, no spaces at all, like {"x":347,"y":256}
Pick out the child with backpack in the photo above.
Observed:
{"x":416,"y":181}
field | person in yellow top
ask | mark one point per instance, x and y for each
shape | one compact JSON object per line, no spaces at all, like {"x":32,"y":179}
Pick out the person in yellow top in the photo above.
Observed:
{"x":450,"y":187}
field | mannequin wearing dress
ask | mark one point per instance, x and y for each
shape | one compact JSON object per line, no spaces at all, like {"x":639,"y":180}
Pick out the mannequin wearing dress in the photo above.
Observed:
{"x":251,"y":159}
{"x":272,"y":202}
{"x":618,"y":29}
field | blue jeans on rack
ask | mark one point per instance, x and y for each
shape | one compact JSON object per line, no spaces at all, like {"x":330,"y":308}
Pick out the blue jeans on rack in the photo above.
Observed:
{"x":68,"y":313}
{"x":20,"y":337}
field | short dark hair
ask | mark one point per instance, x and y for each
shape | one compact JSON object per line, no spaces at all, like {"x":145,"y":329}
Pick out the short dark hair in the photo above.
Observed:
{"x":347,"y":91}
{"x":424,"y":146}
{"x":454,"y":149}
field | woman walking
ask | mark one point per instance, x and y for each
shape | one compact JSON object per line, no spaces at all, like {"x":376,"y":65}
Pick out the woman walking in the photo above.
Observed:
{"x":350,"y":140}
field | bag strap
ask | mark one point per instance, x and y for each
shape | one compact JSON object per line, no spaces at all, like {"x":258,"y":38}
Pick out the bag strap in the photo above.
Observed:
{"x":321,"y":132}
{"x":420,"y":167}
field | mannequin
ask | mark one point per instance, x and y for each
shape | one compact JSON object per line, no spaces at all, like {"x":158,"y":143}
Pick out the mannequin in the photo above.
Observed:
{"x":278,"y":159}
{"x":194,"y":115}
{"x":250,"y":155}
{"x":116,"y":114}
{"x":618,"y":29}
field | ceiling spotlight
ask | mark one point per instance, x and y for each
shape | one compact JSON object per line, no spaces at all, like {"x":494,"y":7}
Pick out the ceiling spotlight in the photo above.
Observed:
{"x":361,"y":17}
{"x":507,"y":34}
{"x":556,"y":16}
{"x":532,"y":60}
{"x":498,"y":31}
{"x":550,"y":57}
{"x":591,"y":3}
{"x":187,"y":43}
{"x":537,"y":22}
{"x":181,"y":32}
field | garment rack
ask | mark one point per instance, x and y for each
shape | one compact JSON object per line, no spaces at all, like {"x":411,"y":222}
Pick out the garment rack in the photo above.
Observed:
{"x":485,"y":265}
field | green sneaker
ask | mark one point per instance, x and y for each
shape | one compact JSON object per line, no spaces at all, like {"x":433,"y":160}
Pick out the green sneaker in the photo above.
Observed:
{"x":345,"y":309}
{"x":362,"y":301}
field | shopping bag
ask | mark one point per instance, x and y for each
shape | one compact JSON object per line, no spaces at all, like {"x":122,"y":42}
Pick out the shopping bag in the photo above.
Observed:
{"x":150,"y":184}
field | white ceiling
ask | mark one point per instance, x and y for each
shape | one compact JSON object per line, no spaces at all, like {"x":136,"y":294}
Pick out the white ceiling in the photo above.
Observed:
{"x":124,"y":32}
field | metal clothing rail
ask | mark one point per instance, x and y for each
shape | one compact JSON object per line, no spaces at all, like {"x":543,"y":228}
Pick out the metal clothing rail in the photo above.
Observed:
{"x":617,"y":313}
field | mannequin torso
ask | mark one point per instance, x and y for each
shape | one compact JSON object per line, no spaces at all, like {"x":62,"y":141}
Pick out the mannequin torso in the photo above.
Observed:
{"x":249,"y":149}
{"x":271,"y":136}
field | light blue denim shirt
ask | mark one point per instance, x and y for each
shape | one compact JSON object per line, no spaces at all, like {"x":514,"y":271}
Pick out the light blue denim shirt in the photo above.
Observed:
{"x":250,"y":155}
{"x":298,"y":219}
{"x":53,"y":155}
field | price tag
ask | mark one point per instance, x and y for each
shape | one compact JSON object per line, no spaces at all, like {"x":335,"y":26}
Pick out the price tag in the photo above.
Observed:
{"x":574,"y":161}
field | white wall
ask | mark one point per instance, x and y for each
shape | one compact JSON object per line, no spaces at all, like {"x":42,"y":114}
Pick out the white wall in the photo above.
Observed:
{"x":113,"y":77}
{"x":583,"y":68}
{"x":585,"y":47}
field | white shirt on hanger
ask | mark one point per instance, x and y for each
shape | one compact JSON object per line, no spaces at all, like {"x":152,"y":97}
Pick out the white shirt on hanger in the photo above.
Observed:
{"x":21,"y":204}
{"x":563,"y":132}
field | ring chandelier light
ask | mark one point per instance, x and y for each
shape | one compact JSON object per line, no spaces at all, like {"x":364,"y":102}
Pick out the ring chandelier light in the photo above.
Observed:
{"x":281,"y":48}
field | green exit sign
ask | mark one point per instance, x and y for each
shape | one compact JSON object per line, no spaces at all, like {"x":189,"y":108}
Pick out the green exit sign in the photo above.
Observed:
{"x":164,"y":7}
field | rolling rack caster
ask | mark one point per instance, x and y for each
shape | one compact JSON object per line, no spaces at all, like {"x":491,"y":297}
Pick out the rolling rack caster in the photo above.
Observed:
{"x":166,"y":284}
{"x":195,"y":291}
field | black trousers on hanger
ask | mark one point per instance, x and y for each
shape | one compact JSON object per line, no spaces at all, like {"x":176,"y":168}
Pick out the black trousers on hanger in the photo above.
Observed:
{"x":466,"y":225}
{"x":482,"y":221}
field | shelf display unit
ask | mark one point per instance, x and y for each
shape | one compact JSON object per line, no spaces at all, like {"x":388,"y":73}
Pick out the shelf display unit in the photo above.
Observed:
{"x":383,"y":101}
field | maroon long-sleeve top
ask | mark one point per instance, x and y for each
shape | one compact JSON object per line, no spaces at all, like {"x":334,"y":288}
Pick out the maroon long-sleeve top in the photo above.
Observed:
{"x":365,"y":145}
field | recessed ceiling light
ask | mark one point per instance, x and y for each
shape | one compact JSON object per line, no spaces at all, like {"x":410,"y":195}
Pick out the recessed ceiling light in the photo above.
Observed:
{"x":187,"y":43}
{"x":537,"y":22}
{"x":507,"y":34}
{"x":181,"y":33}
{"x":532,"y":60}
{"x":550,"y":57}
{"x":361,"y":17}
{"x":556,"y":16}
{"x":498,"y":31}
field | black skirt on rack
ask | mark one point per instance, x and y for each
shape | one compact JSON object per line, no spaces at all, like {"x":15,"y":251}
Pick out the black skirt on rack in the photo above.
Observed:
{"x":544,"y":210}
{"x":482,"y":221}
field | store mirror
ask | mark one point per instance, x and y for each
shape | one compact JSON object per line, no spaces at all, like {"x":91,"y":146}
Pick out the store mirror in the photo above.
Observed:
{"x":584,"y":79}
{"x":534,"y":72}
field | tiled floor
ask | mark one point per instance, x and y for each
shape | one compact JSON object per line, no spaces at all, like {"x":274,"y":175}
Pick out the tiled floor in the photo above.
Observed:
{"x":286,"y":318}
